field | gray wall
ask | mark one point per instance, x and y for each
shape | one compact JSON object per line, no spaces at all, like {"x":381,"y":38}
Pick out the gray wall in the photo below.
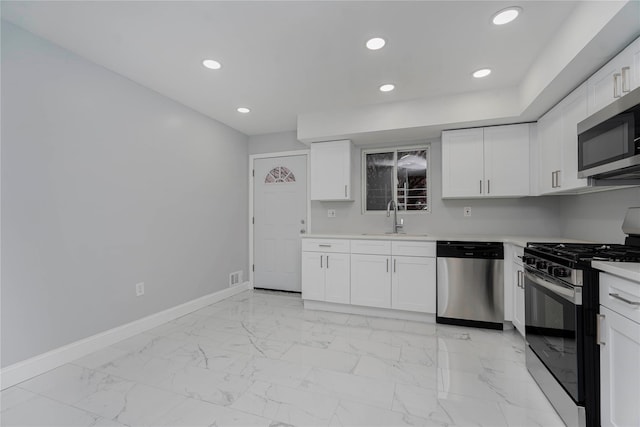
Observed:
{"x":105,"y":184}
{"x":525,"y":216}
{"x":597,"y":216}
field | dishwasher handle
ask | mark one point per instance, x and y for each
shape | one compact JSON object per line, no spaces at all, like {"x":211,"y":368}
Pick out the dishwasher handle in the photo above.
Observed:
{"x":477,"y":250}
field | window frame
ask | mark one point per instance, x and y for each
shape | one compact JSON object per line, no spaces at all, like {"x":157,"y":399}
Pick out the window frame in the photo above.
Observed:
{"x":363,"y":177}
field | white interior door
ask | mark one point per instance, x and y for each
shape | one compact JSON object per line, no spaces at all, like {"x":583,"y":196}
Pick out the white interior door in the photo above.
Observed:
{"x":280,"y":217}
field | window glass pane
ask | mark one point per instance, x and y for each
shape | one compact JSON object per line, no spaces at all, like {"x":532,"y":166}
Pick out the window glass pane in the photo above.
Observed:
{"x":379,"y":167}
{"x":412,"y":180}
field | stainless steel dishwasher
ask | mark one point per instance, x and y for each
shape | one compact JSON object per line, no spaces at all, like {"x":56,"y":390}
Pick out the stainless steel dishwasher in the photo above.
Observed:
{"x":470,"y":284}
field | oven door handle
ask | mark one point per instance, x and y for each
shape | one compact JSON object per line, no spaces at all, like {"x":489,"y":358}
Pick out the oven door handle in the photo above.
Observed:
{"x":573,"y":295}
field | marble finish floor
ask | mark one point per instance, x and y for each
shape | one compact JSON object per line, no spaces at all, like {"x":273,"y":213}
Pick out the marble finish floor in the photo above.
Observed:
{"x":260,"y":359}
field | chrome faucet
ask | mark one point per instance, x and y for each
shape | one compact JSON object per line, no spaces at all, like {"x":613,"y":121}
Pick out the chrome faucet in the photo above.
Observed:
{"x":396,"y":226}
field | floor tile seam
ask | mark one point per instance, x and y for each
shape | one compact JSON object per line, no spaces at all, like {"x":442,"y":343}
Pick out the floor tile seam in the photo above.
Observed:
{"x":499,"y":399}
{"x":303,"y":365}
{"x":161,"y":389}
{"x":294,"y":389}
{"x":60,"y":402}
{"x":389,"y":409}
{"x":35,"y":396}
{"x":550,"y":410}
{"x":135,"y":383}
{"x":333,"y":394}
{"x":502,"y":377}
{"x":484,"y":356}
{"x":328,"y":349}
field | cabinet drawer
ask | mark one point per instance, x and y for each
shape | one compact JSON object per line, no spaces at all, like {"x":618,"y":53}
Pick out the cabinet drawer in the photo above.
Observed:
{"x":374,"y":247}
{"x":325,"y":245}
{"x":426,"y":249}
{"x":621,"y":288}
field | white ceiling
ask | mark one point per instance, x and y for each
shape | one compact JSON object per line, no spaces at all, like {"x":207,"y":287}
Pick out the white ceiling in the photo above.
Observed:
{"x":282,"y":59}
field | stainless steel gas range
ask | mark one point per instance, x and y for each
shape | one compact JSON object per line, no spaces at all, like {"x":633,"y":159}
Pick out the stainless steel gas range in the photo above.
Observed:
{"x":561,"y":308}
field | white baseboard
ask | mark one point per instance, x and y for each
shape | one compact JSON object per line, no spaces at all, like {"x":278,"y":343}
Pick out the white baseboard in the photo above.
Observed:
{"x":29,"y":368}
{"x":370,"y":311}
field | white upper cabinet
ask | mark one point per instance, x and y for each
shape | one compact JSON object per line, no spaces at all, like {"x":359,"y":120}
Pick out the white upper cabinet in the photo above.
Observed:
{"x":558,"y":145}
{"x":486,"y":162}
{"x":462,"y":162}
{"x":331,"y":170}
{"x":573,"y":109}
{"x":549,"y":150}
{"x":615,"y":79}
{"x":506,"y":160}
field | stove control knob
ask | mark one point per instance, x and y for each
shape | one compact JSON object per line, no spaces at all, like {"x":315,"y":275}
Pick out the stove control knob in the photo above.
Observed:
{"x":529,"y":260}
{"x":541,"y":265}
{"x":560,"y":272}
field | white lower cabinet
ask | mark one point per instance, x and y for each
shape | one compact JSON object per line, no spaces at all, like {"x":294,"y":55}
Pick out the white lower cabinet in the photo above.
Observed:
{"x":517,"y":284}
{"x":325,"y":270}
{"x":387,"y":274}
{"x":402,"y":282}
{"x":518,"y":299}
{"x":325,"y":277}
{"x":619,"y":351}
{"x":413,"y":284}
{"x":371,"y":280}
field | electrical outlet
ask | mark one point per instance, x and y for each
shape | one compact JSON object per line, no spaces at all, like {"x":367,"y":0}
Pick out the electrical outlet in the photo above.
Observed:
{"x":139,"y":289}
{"x":467,"y":211}
{"x":331,"y":213}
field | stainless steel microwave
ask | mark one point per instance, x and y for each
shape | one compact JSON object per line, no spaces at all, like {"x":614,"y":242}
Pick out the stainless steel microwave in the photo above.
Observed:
{"x":609,"y":141}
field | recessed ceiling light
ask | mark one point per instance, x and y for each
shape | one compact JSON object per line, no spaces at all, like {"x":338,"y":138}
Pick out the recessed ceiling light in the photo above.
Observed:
{"x":243,"y":110}
{"x":387,"y":87}
{"x":375,"y":43}
{"x":481,"y":73}
{"x":506,"y":15}
{"x":212,"y":64}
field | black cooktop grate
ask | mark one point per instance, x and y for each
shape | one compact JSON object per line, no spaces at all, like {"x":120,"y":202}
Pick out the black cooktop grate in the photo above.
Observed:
{"x":577,"y":252}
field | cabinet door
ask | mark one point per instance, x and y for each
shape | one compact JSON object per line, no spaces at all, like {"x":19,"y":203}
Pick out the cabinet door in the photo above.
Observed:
{"x":573,"y":109}
{"x":331,"y":170}
{"x":549,"y":150}
{"x":601,"y":85}
{"x":313,"y":264}
{"x":619,"y":370}
{"x":463,"y":163}
{"x":413,"y":284}
{"x":337,"y":278}
{"x":506,"y":160}
{"x":518,"y":299}
{"x":371,"y":280}
{"x":635,"y":67}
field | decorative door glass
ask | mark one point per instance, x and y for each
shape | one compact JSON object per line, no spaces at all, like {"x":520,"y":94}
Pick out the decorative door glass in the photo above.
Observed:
{"x":279,"y":174}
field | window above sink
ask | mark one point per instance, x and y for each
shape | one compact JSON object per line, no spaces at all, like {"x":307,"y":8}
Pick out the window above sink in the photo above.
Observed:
{"x":399,"y":174}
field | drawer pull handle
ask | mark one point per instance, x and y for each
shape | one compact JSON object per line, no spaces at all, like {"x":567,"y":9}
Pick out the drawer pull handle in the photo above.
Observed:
{"x":325,"y":246}
{"x":628,"y":301}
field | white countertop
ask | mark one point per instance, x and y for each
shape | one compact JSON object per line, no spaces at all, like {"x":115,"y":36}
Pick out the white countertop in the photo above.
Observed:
{"x":516,"y":240}
{"x":628,"y":270}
